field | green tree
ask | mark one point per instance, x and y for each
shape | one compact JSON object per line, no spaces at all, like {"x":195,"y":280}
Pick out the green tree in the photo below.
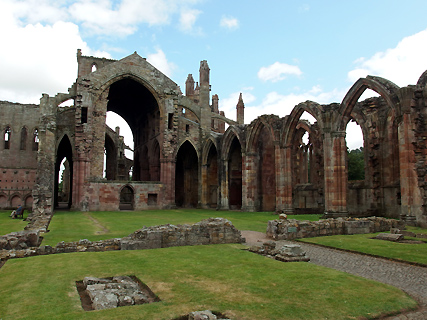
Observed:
{"x":356,"y":164}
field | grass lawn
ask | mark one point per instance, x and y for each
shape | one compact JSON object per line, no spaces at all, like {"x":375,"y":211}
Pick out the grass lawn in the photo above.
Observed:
{"x":363,"y":243}
{"x":73,"y":226}
{"x":8,"y":225}
{"x":222,"y":278}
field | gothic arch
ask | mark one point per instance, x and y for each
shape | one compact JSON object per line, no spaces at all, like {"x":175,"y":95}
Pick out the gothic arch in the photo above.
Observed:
{"x":422,"y":81}
{"x":385,"y":88}
{"x":231,"y":133}
{"x":210,"y":174}
{"x":312,"y":108}
{"x":206,"y":148}
{"x":262,"y":123}
{"x":63,"y":150}
{"x":193,"y":144}
{"x":187,"y":176}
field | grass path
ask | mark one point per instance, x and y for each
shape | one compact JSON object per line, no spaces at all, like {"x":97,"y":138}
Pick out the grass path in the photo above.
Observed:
{"x":97,"y":224}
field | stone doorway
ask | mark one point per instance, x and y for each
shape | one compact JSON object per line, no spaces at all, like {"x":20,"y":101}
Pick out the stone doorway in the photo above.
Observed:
{"x":126,"y":198}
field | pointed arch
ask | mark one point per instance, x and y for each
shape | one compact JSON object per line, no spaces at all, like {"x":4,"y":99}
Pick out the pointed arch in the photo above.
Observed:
{"x":231,"y":133}
{"x":64,"y":150}
{"x":385,"y":88}
{"x":187,"y":176}
{"x":210,"y":174}
{"x":310,"y":107}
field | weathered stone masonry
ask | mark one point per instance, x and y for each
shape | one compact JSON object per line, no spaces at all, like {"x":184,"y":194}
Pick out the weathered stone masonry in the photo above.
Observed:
{"x":184,"y":157}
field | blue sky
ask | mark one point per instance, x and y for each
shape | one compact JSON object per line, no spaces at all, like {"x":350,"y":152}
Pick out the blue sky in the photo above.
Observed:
{"x":277,"y":53}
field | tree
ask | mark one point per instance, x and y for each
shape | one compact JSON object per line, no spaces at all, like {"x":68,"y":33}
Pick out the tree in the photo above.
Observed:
{"x":356,"y":164}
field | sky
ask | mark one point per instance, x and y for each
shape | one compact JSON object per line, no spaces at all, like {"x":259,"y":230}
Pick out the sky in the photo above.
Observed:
{"x":278,"y":53}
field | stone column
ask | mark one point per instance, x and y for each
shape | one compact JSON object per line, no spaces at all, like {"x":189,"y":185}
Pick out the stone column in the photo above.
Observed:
{"x":287,"y":180}
{"x":280,"y":177}
{"x":43,"y":191}
{"x":249,"y":181}
{"x":167,"y":169}
{"x":224,"y":204}
{"x":204,"y":185}
{"x":335,"y":150}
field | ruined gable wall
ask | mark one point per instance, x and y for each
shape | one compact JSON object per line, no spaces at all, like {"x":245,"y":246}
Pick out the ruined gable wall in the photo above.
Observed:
{"x":17,"y":167}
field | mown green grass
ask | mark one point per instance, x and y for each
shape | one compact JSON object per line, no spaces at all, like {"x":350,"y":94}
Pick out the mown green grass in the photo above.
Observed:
{"x":73,"y":226}
{"x":223,"y":278}
{"x":8,"y":225}
{"x":364,"y":243}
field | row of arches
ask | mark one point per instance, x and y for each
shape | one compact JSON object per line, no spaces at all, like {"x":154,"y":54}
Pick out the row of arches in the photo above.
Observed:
{"x":15,"y":199}
{"x":24,"y":139}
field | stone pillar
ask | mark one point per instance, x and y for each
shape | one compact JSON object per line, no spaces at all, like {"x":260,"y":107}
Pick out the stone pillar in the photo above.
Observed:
{"x":224,"y":204}
{"x":335,"y":151}
{"x":43,"y":191}
{"x":280,"y":177}
{"x":167,"y":170}
{"x":204,"y":184}
{"x":249,"y":181}
{"x":80,"y":174}
{"x":411,"y":199}
{"x":287,"y":180}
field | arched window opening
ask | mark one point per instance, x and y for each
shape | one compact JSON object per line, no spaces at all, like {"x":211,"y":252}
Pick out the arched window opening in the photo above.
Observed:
{"x":63,"y":174}
{"x":36,"y":140}
{"x":119,"y":155}
{"x":94,"y":67}
{"x":23,"y":143}
{"x":355,"y":152}
{"x":7,"y":136}
{"x":138,"y":107}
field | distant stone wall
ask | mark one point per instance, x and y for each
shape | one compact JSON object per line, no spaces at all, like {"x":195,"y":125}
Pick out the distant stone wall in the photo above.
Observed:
{"x":209,"y":231}
{"x":294,"y":229}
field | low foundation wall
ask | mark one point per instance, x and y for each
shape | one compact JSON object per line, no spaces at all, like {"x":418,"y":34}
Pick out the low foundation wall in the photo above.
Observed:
{"x":209,"y":231}
{"x":294,"y":229}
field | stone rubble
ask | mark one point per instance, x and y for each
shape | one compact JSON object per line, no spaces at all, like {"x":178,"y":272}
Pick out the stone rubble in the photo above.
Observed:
{"x":107,"y":293}
{"x":287,"y":253}
{"x":208,"y":231}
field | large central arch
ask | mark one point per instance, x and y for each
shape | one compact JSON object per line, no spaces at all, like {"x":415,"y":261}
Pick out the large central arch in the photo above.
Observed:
{"x":138,"y":106}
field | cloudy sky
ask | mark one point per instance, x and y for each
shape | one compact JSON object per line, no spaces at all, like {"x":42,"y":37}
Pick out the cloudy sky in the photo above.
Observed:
{"x":278,"y":53}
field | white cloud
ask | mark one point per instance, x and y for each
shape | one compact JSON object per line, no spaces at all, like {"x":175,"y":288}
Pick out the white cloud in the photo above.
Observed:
{"x":160,"y":61}
{"x":188,"y":19}
{"x":101,"y":17}
{"x":39,"y":59}
{"x":228,"y":22}
{"x":402,"y":65}
{"x":277,"y":71}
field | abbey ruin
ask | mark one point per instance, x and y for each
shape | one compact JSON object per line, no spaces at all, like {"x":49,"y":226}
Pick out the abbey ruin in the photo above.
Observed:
{"x":188,"y":154}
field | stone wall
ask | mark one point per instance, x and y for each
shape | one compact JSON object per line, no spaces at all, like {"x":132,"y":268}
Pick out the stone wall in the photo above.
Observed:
{"x":294,"y":229}
{"x":209,"y":231}
{"x":18,"y":154}
{"x":105,"y":195}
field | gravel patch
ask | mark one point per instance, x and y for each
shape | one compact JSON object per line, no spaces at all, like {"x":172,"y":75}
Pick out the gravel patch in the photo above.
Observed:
{"x":411,"y":279}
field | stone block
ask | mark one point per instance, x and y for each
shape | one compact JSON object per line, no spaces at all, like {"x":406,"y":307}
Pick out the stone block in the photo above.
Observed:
{"x":389,"y":237}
